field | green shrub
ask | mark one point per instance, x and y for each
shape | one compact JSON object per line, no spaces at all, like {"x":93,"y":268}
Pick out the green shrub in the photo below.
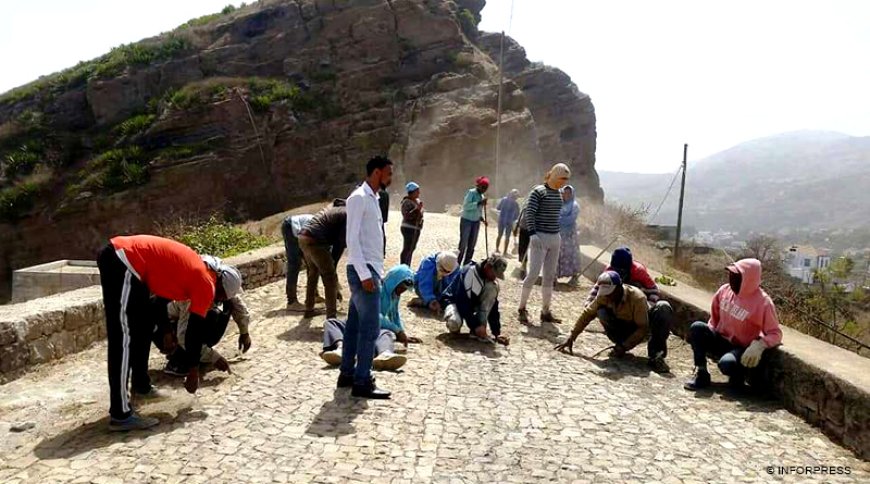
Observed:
{"x":172,"y":153}
{"x":113,"y":170}
{"x":468,"y":22}
{"x":15,"y":201}
{"x":110,"y":64}
{"x":216,"y":237}
{"x":135,"y":125}
{"x":207,"y":19}
{"x":23,"y":160}
{"x":228,"y":10}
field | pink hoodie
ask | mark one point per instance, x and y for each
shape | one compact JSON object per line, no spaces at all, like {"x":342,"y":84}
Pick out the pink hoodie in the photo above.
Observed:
{"x":741,"y":318}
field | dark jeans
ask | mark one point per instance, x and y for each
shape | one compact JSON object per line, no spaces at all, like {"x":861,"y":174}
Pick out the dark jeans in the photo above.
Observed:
{"x":294,"y":260}
{"x":129,"y":330}
{"x":705,"y":342}
{"x":660,"y":320}
{"x":362,"y":328}
{"x":494,"y":320}
{"x":333,"y":333}
{"x":468,"y":232}
{"x":523,"y":246}
{"x":215,"y":327}
{"x":410,"y":237}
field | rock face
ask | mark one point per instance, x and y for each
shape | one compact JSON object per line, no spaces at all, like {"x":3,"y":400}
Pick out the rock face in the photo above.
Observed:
{"x":280,"y":104}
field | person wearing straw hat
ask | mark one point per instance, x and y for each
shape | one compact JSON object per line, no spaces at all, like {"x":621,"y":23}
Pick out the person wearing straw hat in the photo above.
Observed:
{"x":543,"y":208}
{"x":627,"y":319}
{"x":472,"y":216}
{"x":412,"y":222}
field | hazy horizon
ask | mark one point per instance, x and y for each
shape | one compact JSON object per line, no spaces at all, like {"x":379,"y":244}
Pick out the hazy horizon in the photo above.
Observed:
{"x":660,"y":74}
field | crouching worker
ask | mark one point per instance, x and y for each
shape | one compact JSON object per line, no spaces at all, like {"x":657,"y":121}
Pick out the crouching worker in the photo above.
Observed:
{"x":627,"y":319}
{"x":743,"y":325}
{"x":433,"y":276}
{"x":472,"y":297}
{"x":216,"y":322}
{"x":397,"y":280}
{"x":131,"y":269}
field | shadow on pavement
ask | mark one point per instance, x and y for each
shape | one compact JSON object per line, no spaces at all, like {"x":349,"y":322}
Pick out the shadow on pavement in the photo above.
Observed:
{"x":337,"y":415}
{"x":96,"y":435}
{"x":617,"y":368}
{"x":463,"y":342}
{"x":303,"y":332}
{"x":746,"y":397}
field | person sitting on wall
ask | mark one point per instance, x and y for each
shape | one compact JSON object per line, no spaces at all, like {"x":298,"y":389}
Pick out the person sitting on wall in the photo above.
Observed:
{"x":472,"y":297}
{"x":397,"y":280}
{"x":627,"y":320}
{"x":743,"y":326}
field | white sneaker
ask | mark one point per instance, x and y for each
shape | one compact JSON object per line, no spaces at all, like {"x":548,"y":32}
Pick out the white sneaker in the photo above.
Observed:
{"x":389,"y":361}
{"x":332,"y":357}
{"x":452,"y":318}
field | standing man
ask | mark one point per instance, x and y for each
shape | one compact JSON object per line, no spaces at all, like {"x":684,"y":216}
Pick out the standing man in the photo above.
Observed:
{"x":365,"y":268}
{"x":543,"y":208}
{"x":322,"y":242}
{"x":290,"y":229}
{"x":472,"y":215}
{"x":131,"y":269}
{"x":412,"y":221}
{"x":508,"y":213}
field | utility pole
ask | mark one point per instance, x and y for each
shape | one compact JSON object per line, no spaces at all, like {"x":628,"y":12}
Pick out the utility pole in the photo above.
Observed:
{"x":498,"y":115}
{"x":680,"y":212}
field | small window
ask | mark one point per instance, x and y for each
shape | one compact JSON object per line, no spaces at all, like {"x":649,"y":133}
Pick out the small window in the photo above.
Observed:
{"x":806,"y":262}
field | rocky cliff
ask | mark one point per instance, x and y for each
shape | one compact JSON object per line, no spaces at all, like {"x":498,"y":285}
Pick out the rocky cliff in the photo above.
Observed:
{"x":255,"y":110}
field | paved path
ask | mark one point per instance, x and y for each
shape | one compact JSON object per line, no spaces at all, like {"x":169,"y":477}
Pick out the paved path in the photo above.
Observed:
{"x":460,"y":413}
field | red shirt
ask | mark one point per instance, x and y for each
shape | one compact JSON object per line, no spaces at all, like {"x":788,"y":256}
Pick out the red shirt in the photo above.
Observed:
{"x":170,"y":269}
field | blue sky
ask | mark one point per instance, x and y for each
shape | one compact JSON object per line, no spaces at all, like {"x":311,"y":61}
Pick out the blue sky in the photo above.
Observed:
{"x":709,"y":73}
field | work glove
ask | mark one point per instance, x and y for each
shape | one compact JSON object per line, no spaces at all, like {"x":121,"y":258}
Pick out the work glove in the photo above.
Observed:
{"x":752,"y":356}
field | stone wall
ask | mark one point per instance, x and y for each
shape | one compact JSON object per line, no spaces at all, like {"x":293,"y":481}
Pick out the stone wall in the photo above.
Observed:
{"x":45,"y":329}
{"x":826,"y":385}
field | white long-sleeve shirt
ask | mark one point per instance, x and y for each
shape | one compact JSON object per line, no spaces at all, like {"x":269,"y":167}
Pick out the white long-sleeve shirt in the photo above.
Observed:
{"x":365,"y":232}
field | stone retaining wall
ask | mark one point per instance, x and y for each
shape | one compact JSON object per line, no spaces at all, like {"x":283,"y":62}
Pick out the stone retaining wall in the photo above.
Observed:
{"x":826,"y":385}
{"x":45,"y":329}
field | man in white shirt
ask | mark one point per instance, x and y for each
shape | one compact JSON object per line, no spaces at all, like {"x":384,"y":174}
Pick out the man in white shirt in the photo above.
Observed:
{"x":365,"y":268}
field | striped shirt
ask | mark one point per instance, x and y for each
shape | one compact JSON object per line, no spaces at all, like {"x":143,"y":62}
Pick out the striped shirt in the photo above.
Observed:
{"x":543,"y":209}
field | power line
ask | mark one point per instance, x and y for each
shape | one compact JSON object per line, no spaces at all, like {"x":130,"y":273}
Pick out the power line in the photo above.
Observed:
{"x":673,"y":180}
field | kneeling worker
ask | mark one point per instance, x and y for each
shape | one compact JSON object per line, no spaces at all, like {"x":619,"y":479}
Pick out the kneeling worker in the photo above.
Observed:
{"x":627,"y":320}
{"x":472,"y":297}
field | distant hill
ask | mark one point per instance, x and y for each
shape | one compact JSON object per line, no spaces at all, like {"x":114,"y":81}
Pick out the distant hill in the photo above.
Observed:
{"x":795,"y":180}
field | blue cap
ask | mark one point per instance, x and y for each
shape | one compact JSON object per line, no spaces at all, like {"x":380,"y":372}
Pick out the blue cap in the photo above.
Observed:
{"x":411,"y":186}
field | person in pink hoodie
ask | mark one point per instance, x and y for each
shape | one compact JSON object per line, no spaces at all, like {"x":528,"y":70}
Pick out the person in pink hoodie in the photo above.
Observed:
{"x":743,"y":325}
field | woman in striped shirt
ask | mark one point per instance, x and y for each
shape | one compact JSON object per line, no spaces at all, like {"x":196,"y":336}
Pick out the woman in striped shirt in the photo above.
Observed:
{"x":543,"y":208}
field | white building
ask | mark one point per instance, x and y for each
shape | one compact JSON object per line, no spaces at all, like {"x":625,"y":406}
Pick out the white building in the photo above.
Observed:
{"x":802,"y":261}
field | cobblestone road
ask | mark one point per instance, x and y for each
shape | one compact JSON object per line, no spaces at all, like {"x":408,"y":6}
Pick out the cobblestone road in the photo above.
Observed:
{"x":460,"y":413}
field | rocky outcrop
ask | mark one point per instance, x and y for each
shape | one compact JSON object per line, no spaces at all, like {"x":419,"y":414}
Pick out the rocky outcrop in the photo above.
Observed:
{"x":564,"y":116}
{"x":280,"y":104}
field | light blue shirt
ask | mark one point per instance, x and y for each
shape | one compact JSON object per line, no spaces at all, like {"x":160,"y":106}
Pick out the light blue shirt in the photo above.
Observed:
{"x":365,"y":233}
{"x":298,"y":222}
{"x":471,"y":207}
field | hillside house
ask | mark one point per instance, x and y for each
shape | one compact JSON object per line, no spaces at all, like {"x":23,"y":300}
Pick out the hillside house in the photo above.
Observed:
{"x":801,"y":262}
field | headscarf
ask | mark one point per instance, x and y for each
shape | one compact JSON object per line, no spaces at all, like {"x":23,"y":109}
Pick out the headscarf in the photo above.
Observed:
{"x":389,"y":301}
{"x":446,"y":262}
{"x":569,"y":213}
{"x":229,"y":277}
